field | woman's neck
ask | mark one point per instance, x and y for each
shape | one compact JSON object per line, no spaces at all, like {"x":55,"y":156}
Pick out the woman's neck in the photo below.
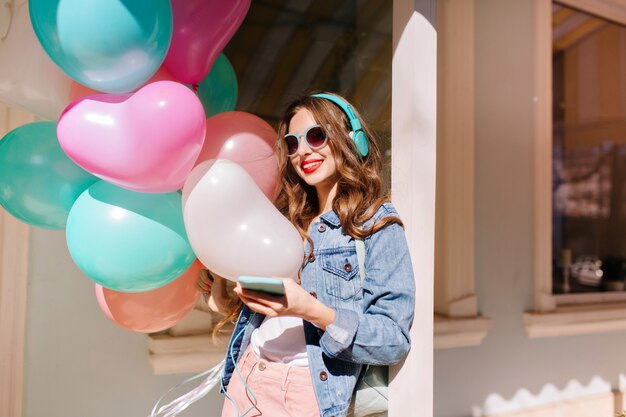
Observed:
{"x":325,"y":196}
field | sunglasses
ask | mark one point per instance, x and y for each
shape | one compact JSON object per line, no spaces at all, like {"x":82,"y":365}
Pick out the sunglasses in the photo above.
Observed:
{"x":314,"y":136}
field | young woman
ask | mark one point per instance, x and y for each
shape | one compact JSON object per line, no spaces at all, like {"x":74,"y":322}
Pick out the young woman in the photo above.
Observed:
{"x":301,"y":354}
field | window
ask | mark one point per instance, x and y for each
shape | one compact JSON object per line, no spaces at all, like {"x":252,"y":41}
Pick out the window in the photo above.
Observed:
{"x":589,"y":153}
{"x":580,"y":92}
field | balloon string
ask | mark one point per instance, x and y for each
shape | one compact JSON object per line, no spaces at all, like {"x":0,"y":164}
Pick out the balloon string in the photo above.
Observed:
{"x":195,"y":87}
{"x":213,"y":376}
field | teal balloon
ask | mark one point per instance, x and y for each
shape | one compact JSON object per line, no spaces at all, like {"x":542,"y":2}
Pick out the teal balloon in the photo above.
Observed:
{"x":38,"y":182}
{"x":128,"y":241}
{"x":113,"y":46}
{"x":218,"y":90}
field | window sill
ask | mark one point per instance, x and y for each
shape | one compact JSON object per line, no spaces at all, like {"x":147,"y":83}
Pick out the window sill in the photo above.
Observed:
{"x":460,"y":332}
{"x":568,"y":320}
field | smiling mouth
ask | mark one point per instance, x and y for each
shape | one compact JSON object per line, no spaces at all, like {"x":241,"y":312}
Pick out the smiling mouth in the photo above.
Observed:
{"x":310,"y":166}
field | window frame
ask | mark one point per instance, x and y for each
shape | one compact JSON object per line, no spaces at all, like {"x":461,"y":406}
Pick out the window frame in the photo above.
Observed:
{"x":561,"y":314}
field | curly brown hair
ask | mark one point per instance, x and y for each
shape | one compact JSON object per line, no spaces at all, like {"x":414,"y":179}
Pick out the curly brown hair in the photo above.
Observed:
{"x":360,"y":189}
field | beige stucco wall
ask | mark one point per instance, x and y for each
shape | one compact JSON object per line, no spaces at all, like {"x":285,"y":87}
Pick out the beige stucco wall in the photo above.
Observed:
{"x":77,"y":362}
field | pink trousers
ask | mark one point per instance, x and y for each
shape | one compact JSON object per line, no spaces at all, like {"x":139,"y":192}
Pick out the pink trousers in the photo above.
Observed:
{"x":274,"y":390}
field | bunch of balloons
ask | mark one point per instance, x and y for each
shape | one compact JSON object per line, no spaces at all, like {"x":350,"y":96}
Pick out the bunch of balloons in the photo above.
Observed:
{"x":146,"y":165}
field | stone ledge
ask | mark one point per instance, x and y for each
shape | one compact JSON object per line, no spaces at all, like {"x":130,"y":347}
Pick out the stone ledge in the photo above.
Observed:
{"x":460,"y":332}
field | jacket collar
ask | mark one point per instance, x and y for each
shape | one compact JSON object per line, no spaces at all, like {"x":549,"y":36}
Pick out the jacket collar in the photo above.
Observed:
{"x":331,"y":218}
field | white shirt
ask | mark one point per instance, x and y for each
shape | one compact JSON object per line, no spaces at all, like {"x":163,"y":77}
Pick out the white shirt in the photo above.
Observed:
{"x":281,"y":339}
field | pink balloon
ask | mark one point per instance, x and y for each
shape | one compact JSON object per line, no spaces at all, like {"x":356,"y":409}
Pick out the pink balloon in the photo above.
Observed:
{"x":152,"y":311}
{"x":147,"y":141}
{"x":247,"y":140}
{"x":201,"y":30}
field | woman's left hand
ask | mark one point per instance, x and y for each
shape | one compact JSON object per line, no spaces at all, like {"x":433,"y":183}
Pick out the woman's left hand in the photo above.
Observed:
{"x":296,"y":302}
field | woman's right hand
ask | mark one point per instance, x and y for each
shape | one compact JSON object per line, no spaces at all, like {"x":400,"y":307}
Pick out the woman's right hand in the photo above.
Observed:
{"x":218,"y":294}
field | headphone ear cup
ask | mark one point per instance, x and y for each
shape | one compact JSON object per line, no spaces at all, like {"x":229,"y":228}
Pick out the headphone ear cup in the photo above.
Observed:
{"x":360,"y":140}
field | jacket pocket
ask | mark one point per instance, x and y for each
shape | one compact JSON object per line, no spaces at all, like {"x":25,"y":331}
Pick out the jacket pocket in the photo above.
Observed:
{"x":342,"y":280}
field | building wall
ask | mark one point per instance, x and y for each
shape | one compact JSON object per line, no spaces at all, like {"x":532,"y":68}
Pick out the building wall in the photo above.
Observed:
{"x":77,"y":362}
{"x":509,"y":371}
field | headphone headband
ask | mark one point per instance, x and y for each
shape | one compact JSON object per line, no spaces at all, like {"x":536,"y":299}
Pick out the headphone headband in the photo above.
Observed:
{"x":357,"y":134}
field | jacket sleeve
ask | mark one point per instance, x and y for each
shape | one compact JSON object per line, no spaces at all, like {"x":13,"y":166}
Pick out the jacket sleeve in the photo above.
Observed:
{"x":379,"y":335}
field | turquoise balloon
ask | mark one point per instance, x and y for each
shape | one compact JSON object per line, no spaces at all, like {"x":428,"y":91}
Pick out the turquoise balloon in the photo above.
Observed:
{"x":218,"y":90}
{"x":38,"y":182}
{"x":128,"y":241}
{"x":113,"y":46}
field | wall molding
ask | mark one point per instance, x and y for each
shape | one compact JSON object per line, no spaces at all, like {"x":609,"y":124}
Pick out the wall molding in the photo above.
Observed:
{"x":542,"y":247}
{"x":460,"y":332}
{"x":14,"y":240}
{"x":454,"y":242}
{"x":576,"y":319}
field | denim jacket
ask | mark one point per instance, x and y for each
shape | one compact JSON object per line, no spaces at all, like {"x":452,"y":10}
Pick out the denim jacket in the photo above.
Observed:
{"x":372,"y":319}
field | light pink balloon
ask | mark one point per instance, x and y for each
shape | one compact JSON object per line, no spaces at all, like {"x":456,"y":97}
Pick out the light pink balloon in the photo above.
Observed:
{"x":247,"y":140}
{"x":147,"y":141}
{"x":155,"y":310}
{"x":201,"y":30}
{"x":233,"y":228}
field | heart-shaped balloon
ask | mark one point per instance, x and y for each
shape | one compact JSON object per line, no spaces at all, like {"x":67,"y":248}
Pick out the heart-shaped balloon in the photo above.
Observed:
{"x":201,"y":30}
{"x":233,"y":228}
{"x":146,"y":142}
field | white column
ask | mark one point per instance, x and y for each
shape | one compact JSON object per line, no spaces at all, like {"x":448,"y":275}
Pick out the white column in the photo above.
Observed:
{"x":414,"y":153}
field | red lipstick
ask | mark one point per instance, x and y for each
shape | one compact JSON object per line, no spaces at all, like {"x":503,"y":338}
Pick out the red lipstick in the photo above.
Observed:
{"x":311,"y":165}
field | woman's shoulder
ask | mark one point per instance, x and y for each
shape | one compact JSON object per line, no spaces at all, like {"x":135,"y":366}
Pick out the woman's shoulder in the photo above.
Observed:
{"x":385,"y":210}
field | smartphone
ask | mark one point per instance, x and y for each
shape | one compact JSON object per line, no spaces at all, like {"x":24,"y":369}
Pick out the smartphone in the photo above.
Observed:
{"x":273,"y":286}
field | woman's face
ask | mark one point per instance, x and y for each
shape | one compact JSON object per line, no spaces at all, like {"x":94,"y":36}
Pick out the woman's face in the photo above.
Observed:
{"x":316,"y":167}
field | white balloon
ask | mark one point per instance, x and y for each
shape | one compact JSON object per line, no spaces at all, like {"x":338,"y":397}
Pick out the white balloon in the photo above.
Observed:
{"x":28,"y":77}
{"x":233,"y":228}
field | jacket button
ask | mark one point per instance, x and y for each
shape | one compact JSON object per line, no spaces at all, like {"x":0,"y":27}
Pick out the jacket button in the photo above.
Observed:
{"x":347,"y":267}
{"x":321,"y":228}
{"x":311,"y":258}
{"x":323,"y":376}
{"x":314,"y":294}
{"x":262,"y":366}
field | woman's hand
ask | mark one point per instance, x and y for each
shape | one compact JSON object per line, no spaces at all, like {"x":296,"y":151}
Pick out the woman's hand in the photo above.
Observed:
{"x":296,"y":302}
{"x":216,"y":291}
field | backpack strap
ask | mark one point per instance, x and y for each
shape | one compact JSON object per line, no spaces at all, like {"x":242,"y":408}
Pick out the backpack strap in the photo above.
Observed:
{"x":360,"y":254}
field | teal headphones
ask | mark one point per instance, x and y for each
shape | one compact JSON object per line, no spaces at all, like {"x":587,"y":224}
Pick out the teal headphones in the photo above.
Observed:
{"x":357,"y":134}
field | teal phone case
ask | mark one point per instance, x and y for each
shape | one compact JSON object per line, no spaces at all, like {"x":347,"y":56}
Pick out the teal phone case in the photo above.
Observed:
{"x":268,"y":285}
